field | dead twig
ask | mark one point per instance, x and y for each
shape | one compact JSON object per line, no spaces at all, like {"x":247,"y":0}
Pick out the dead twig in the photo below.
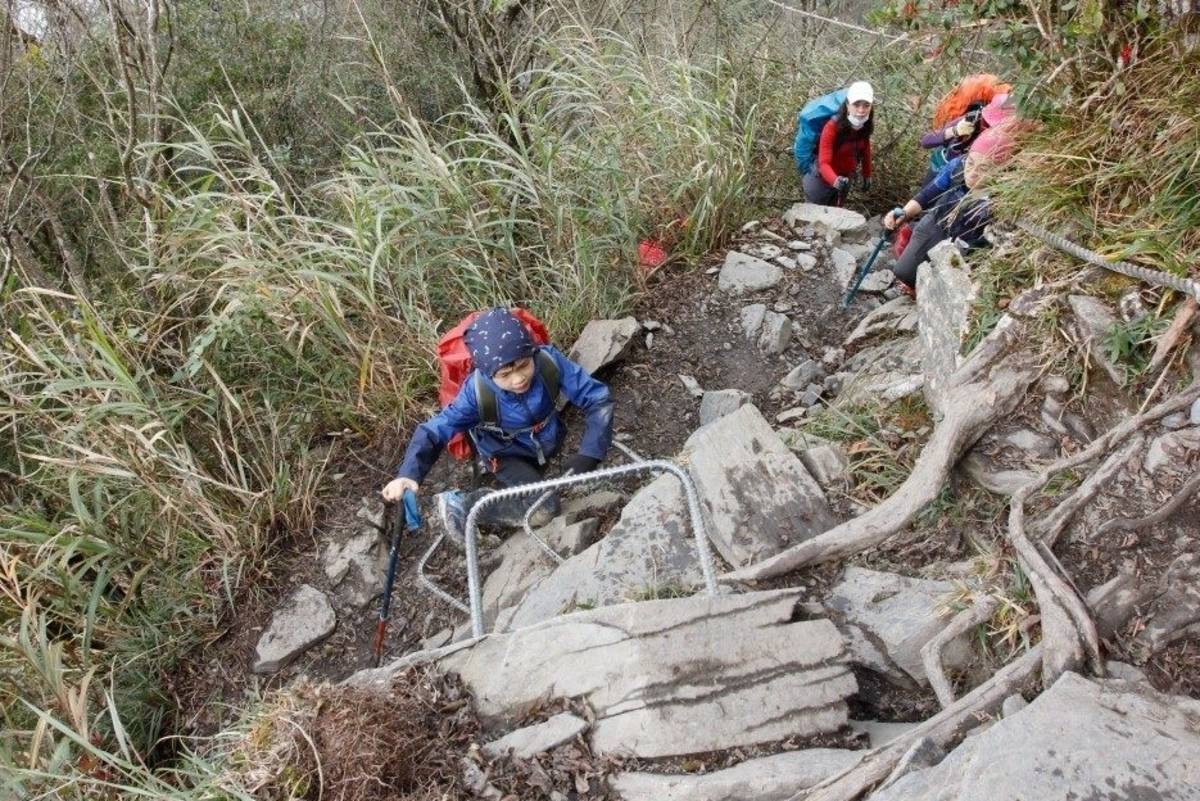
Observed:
{"x":1170,"y":338}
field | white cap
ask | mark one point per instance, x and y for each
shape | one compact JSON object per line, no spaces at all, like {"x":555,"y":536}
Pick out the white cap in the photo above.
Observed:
{"x":860,"y":90}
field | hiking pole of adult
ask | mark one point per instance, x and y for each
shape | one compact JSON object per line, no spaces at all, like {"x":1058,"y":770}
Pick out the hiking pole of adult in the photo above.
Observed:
{"x":391,"y":519}
{"x":865,"y":270}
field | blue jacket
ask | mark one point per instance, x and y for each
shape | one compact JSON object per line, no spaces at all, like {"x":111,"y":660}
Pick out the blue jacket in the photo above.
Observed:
{"x":944,"y":197}
{"x":516,"y":412}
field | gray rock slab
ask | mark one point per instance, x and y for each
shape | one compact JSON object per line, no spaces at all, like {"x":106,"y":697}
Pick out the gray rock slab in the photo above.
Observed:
{"x":772,"y":778}
{"x":717,"y":403}
{"x":755,"y":493}
{"x":532,"y":740}
{"x":1078,"y":740}
{"x":888,"y":619}
{"x":303,"y":620}
{"x":743,"y":273}
{"x":845,"y":268}
{"x":356,"y":567}
{"x":828,"y":464}
{"x":797,"y":244}
{"x":776,"y":333}
{"x":945,"y":293}
{"x":805,"y":262}
{"x":1171,"y":452}
{"x":649,"y":548}
{"x":752,"y":319}
{"x":603,"y":342}
{"x":825,"y":219}
{"x":1094,"y":321}
{"x":897,"y":316}
{"x":524,"y":563}
{"x":670,"y":677}
{"x":803,"y":374}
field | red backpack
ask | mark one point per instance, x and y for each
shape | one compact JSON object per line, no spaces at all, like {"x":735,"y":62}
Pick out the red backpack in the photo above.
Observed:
{"x":454,"y":360}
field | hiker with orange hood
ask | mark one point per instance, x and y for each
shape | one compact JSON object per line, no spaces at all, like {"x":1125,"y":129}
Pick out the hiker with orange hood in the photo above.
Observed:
{"x":966,"y":112}
{"x":949,"y":211}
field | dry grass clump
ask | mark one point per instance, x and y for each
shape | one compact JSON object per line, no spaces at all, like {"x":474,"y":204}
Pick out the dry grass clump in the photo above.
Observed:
{"x":340,"y":743}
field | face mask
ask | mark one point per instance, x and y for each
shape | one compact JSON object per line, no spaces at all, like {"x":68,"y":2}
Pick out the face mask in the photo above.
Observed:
{"x":857,"y":121}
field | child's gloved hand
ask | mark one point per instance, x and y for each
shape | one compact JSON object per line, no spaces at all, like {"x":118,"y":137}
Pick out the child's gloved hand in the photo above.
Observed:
{"x":394,"y":489}
{"x":964,"y":127}
{"x":579,"y":463}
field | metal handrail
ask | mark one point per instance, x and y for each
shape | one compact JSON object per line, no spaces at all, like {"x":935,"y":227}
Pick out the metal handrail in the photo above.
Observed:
{"x":657,"y":465}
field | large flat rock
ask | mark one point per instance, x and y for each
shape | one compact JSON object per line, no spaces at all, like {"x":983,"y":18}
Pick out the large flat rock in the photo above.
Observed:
{"x":888,"y":619}
{"x":825,"y":218}
{"x":945,"y":293}
{"x":756,"y":494}
{"x":1080,"y":740}
{"x":303,"y":620}
{"x":670,"y":677}
{"x":651,"y":548}
{"x":603,"y":342}
{"x":772,"y":778}
{"x":742,"y":273}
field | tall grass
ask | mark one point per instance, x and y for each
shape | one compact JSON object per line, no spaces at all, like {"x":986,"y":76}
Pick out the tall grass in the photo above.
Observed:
{"x":158,"y":432}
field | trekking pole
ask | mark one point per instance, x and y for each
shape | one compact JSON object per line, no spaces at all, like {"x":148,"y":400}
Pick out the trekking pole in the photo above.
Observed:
{"x":865,"y":270}
{"x":391,"y":524}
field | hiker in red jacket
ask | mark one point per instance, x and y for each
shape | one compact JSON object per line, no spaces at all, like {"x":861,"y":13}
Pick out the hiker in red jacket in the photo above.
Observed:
{"x":844,"y":149}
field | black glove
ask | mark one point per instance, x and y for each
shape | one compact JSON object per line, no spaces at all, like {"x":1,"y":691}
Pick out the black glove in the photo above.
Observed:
{"x":842,"y":183}
{"x":579,"y":464}
{"x":866,"y":184}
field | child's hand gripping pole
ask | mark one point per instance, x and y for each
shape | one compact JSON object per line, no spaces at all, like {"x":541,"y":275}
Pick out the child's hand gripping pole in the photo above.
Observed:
{"x":865,"y":270}
{"x":391,"y":524}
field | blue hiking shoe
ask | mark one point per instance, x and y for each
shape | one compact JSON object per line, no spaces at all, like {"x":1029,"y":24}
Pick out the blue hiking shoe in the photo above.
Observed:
{"x":454,"y":516}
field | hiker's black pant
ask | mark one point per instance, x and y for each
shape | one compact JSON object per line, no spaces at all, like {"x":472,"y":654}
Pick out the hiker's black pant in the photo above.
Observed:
{"x":511,"y":471}
{"x":817,"y":191}
{"x":926,"y":233}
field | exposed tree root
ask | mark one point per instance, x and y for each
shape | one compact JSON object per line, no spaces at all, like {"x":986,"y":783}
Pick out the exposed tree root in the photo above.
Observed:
{"x":931,"y":652}
{"x":986,"y":387}
{"x":1069,"y":636}
{"x":1166,"y":510}
{"x":943,"y":729}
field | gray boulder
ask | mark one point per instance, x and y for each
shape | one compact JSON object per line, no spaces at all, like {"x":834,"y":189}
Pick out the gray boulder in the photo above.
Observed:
{"x":828,"y":463}
{"x":651,"y":548}
{"x":845,"y":268}
{"x":1171,"y":452}
{"x":771,"y":778}
{"x":897,"y":316}
{"x":1175,"y":611}
{"x":889,"y":618}
{"x":776,"y":333}
{"x":356,"y":566}
{"x":756,"y":494}
{"x":1078,"y":740}
{"x":945,"y":293}
{"x":752,"y":319}
{"x":826,"y":219}
{"x":303,"y":620}
{"x":603,"y":342}
{"x":742,"y":273}
{"x":717,"y":403}
{"x":669,"y":677}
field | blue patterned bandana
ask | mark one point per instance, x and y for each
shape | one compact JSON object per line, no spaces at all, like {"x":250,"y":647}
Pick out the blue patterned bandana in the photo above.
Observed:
{"x":497,"y":338}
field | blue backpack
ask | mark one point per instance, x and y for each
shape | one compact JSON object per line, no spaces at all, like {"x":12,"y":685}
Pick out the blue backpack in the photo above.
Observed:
{"x":809,"y":122}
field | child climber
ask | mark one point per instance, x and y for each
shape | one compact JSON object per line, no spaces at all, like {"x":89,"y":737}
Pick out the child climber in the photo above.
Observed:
{"x":528,"y":430}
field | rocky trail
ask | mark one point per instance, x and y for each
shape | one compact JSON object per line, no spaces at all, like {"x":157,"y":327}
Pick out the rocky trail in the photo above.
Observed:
{"x":901,"y":613}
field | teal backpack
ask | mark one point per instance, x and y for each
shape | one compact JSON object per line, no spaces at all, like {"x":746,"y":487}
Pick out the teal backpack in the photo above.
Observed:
{"x":809,"y":122}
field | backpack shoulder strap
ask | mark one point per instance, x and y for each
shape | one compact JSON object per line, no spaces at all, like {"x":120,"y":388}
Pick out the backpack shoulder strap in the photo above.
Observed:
{"x":485,"y":398}
{"x":548,"y":370}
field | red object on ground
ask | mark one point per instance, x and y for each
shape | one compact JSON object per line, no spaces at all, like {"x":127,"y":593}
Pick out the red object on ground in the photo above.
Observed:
{"x":455,"y":365}
{"x":651,"y":254}
{"x":902,"y":237}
